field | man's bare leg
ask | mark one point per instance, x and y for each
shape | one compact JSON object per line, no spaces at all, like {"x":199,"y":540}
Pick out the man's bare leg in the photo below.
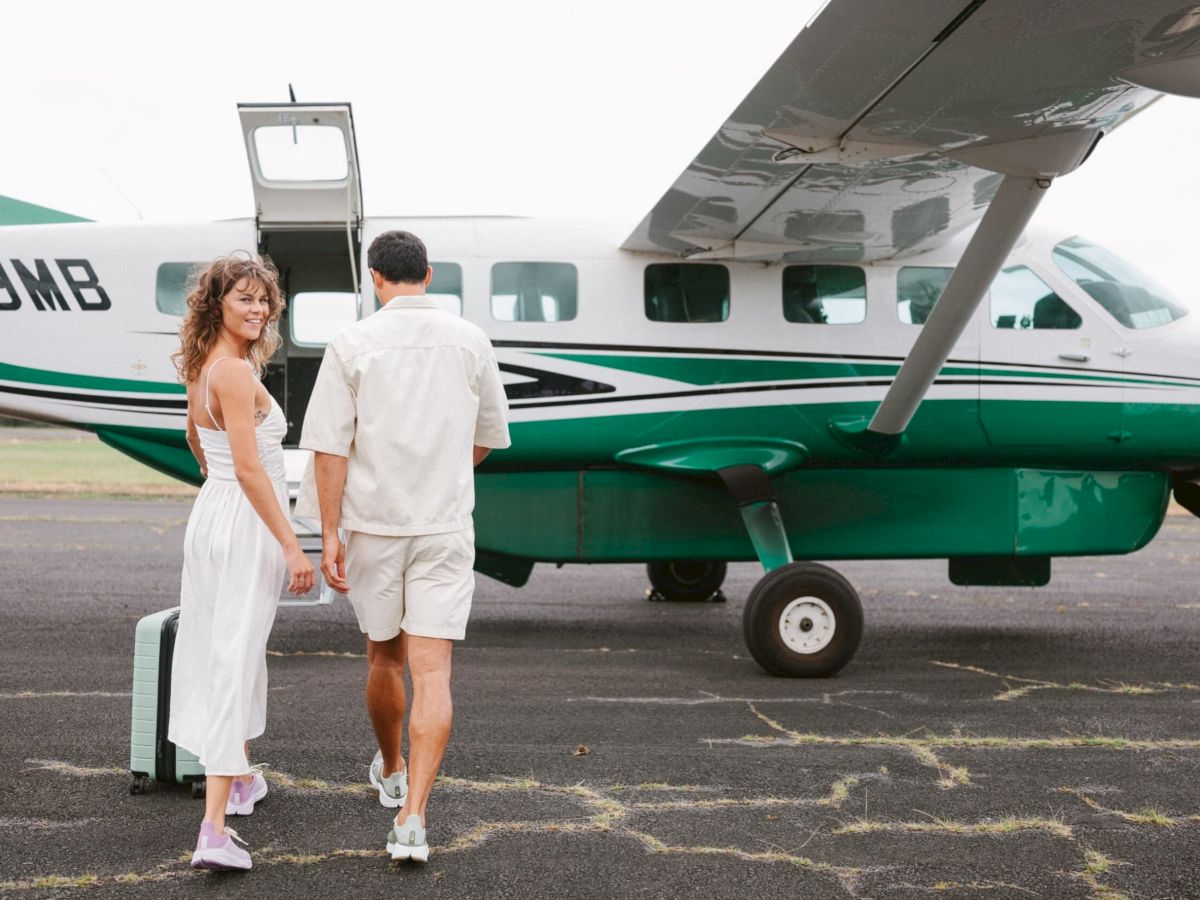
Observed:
{"x":386,"y":698}
{"x":429,"y":724}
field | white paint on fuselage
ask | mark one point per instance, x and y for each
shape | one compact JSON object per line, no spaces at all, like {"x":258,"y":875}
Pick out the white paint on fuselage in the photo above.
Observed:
{"x":133,"y":340}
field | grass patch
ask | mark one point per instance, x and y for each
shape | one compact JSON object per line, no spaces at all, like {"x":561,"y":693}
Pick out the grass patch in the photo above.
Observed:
{"x":80,"y":467}
{"x":1151,"y":816}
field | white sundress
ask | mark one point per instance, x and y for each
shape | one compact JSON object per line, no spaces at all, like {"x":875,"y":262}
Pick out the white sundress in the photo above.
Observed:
{"x":233,"y":572}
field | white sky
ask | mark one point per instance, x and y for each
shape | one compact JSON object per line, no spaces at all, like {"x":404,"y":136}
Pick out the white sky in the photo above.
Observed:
{"x":540,"y":108}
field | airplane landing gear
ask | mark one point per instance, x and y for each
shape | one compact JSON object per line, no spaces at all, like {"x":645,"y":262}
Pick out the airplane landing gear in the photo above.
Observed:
{"x":686,"y":580}
{"x":802,"y":620}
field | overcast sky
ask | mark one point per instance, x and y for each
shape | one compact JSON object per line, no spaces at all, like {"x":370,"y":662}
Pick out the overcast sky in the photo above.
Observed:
{"x":123,"y":110}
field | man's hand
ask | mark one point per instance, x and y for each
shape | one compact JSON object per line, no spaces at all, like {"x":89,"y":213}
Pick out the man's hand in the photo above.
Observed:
{"x":333,"y":563}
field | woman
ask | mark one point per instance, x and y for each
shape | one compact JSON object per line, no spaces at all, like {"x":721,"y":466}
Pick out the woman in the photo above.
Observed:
{"x":239,"y":542}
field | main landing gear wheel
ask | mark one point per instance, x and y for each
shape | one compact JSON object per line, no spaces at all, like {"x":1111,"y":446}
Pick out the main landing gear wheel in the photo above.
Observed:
{"x":802,"y":620}
{"x":686,"y":580}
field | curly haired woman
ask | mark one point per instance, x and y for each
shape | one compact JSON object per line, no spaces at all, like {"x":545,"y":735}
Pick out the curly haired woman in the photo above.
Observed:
{"x":239,"y":543}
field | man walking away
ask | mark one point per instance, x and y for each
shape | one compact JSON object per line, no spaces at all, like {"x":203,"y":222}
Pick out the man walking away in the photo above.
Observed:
{"x":406,"y":403}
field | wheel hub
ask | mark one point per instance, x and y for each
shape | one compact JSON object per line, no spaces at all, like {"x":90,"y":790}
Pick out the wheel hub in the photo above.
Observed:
{"x":807,"y":625}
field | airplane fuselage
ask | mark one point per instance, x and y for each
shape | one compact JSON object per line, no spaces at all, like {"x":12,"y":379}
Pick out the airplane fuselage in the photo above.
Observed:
{"x":1041,"y":439}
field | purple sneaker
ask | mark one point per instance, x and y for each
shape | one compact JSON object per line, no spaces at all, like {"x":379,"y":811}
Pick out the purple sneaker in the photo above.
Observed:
{"x":219,"y":852}
{"x":244,"y":794}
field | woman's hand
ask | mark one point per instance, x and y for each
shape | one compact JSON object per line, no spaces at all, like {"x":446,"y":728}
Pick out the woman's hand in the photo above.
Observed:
{"x":301,"y":570}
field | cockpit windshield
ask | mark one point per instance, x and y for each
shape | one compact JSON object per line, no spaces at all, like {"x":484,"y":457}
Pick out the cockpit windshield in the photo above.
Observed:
{"x":1132,"y":298}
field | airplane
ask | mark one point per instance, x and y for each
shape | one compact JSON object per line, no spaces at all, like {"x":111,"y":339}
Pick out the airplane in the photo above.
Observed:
{"x":830,"y":339}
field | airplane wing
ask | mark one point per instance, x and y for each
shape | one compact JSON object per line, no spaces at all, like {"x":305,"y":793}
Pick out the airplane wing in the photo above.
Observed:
{"x":881,"y":129}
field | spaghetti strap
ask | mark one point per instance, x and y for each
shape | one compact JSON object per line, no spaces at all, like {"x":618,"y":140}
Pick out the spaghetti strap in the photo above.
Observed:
{"x":207,"y":376}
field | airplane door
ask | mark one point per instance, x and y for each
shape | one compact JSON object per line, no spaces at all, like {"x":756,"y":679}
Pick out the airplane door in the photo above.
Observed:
{"x":1049,"y":376}
{"x":308,"y":203}
{"x":303,"y":164}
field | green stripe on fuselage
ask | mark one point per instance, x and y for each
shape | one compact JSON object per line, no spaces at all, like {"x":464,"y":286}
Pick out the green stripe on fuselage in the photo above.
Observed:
{"x":706,"y":370}
{"x":723,"y":370}
{"x":91,"y":382}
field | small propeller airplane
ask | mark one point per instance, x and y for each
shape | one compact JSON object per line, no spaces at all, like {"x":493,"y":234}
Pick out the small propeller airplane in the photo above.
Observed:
{"x":803,"y":352}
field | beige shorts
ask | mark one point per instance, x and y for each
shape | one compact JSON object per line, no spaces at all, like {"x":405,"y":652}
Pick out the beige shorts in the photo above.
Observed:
{"x":420,"y":585}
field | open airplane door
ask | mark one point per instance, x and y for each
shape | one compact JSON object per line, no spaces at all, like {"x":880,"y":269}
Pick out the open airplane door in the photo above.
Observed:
{"x":303,"y":164}
{"x":308,"y":205}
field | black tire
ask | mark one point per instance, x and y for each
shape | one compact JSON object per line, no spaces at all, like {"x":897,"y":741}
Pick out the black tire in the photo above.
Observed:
{"x":139,"y":785}
{"x":821,"y":594}
{"x":198,"y":789}
{"x":686,"y":579}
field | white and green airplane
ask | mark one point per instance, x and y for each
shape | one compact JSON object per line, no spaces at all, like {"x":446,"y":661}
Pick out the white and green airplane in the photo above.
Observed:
{"x":802,"y":352}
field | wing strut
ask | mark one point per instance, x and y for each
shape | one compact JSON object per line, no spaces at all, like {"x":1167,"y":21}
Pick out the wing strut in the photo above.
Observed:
{"x":1002,"y":224}
{"x":1028,"y":166}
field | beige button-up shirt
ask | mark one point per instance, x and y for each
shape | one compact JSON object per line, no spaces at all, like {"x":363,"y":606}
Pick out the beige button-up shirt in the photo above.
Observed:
{"x":404,"y":394}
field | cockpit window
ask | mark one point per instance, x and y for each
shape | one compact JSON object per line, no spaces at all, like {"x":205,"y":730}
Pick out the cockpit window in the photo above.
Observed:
{"x":1133,"y":299}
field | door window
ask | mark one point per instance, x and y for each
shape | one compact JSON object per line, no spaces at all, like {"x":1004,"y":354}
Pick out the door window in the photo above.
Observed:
{"x":1020,"y":301}
{"x":301,"y":152}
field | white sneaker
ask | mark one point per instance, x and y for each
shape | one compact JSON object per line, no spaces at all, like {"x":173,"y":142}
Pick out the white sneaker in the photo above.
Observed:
{"x":408,"y":841}
{"x":393,"y":790}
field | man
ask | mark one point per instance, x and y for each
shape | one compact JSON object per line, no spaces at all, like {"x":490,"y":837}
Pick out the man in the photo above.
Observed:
{"x":407,"y":401}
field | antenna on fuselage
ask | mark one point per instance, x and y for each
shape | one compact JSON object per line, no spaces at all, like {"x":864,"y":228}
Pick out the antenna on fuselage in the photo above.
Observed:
{"x":291,"y":93}
{"x":113,"y":182}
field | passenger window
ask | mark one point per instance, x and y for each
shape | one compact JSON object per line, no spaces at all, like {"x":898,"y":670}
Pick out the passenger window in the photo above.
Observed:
{"x":824,"y":295}
{"x":917,"y":289}
{"x":686,"y":292}
{"x":1020,"y":300}
{"x":534,"y":292}
{"x":445,"y":288}
{"x":171,"y":287}
{"x":316,"y":317}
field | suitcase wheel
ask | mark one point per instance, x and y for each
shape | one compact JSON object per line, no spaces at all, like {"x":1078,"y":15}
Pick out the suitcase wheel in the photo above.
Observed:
{"x":140,"y":784}
{"x":198,"y":790}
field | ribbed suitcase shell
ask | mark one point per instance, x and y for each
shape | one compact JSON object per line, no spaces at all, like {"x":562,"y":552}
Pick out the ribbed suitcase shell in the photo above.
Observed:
{"x":151,"y":754}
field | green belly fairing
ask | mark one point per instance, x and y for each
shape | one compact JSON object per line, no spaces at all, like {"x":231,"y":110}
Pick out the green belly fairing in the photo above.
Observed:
{"x":619,"y":515}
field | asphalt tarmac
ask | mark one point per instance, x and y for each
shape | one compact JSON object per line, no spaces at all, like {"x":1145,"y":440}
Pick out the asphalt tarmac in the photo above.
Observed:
{"x":988,"y":742}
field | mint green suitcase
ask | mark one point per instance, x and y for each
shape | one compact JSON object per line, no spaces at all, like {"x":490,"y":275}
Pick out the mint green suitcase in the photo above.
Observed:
{"x":152,"y":757}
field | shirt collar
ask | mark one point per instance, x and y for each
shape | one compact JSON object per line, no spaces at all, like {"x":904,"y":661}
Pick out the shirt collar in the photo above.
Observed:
{"x":417,"y":301}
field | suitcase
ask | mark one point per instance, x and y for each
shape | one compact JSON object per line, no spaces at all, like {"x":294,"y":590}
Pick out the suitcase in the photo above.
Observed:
{"x":152,"y":757}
